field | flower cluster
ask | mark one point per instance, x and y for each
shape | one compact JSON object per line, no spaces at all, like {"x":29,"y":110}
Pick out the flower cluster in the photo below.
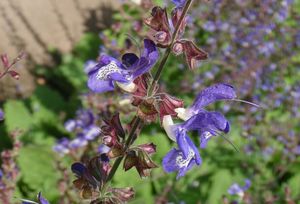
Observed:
{"x":86,"y":129}
{"x":162,"y":29}
{"x":8,"y":65}
{"x":132,"y":75}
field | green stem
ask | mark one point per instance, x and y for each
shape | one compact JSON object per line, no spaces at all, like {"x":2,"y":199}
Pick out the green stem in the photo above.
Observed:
{"x":137,"y":122}
{"x":114,"y":168}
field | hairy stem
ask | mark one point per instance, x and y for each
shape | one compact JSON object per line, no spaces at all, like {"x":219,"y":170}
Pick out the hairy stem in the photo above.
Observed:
{"x":137,"y":121}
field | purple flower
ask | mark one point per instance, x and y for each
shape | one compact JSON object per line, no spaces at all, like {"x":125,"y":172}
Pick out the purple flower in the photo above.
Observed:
{"x":177,"y":160}
{"x":84,"y":118}
{"x":79,"y":141}
{"x":70,"y":125}
{"x":89,"y":65}
{"x":84,"y":127}
{"x":62,"y":146}
{"x":91,"y":132}
{"x":196,"y":118}
{"x":236,"y":189}
{"x":1,"y":114}
{"x":178,"y":3}
{"x":110,"y":70}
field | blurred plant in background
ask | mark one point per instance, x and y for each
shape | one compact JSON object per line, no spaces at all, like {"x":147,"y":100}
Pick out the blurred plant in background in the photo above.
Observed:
{"x":253,"y":45}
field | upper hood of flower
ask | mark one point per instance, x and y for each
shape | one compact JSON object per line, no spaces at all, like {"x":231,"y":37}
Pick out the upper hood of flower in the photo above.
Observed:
{"x":213,"y":93}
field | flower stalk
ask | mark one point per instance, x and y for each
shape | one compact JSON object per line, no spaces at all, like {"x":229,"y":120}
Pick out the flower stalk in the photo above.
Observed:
{"x":137,"y":122}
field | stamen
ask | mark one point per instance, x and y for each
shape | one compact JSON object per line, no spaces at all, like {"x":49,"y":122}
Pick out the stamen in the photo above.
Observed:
{"x":247,"y":102}
{"x":229,"y":141}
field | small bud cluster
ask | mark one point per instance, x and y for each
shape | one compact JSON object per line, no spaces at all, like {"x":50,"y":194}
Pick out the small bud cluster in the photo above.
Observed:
{"x":8,"y":65}
{"x":9,"y":170}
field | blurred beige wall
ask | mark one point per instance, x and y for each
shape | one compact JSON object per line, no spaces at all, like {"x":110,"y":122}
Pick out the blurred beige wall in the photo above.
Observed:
{"x":37,"y":25}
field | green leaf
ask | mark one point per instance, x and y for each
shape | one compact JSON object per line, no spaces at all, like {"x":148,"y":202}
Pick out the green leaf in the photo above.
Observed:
{"x":220,"y":183}
{"x":17,"y":116}
{"x":294,"y":184}
{"x":38,"y":170}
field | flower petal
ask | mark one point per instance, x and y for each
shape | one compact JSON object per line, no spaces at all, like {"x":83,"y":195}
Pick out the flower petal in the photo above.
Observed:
{"x":168,"y":125}
{"x":174,"y":161}
{"x":182,"y":141}
{"x":78,"y":169}
{"x":129,"y":59}
{"x":207,"y":121}
{"x":99,"y":86}
{"x":213,"y":93}
{"x":178,"y":3}
{"x":148,"y":59}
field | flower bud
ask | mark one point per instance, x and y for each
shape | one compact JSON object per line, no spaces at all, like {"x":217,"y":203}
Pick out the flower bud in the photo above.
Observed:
{"x":123,"y":194}
{"x":149,"y":148}
{"x":14,"y":74}
{"x":177,"y":48}
{"x":5,"y":61}
{"x":160,"y":36}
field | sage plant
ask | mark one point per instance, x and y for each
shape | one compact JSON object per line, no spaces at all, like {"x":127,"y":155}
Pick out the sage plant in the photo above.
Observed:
{"x":132,"y":74}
